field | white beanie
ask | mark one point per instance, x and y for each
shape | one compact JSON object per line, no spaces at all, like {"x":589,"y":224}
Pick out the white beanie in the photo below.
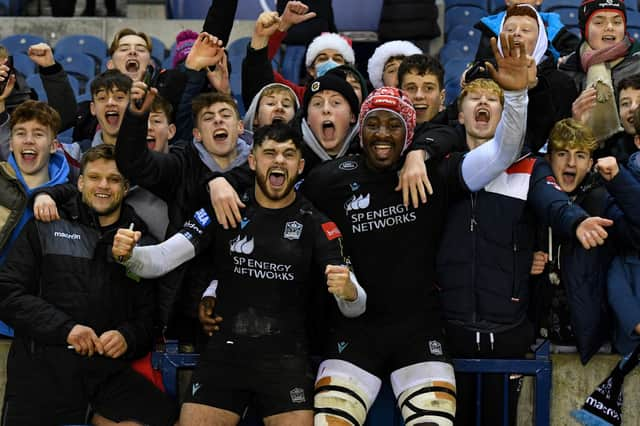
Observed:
{"x":330,"y":41}
{"x":382,"y":54}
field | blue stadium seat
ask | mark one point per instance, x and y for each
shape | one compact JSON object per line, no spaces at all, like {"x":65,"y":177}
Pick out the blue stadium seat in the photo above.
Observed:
{"x":35,"y":83}
{"x":477,"y":3}
{"x":568,"y":15}
{"x":464,"y":33}
{"x":352,"y":15}
{"x":454,"y":68}
{"x":158,"y":50}
{"x":5,"y":8}
{"x":456,"y":50}
{"x":634,"y":32}
{"x":236,"y":52}
{"x":167,"y":63}
{"x":452,"y":90}
{"x":83,"y":43}
{"x":494,"y":5}
{"x":292,"y":62}
{"x":462,"y":15}
{"x":20,"y":43}
{"x":633,"y":18}
{"x":79,"y":65}
{"x":551,"y":5}
{"x":188,"y":9}
{"x":24,"y":64}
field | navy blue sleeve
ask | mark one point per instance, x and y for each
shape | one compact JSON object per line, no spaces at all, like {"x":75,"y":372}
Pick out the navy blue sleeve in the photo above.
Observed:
{"x":551,"y":204}
{"x":623,"y":208}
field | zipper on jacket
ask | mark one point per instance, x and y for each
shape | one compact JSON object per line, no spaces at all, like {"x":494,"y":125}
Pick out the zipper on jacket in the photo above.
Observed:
{"x":515,"y":288}
{"x":472,"y":226}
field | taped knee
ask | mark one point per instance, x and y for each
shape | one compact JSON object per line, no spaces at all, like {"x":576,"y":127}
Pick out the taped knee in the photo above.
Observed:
{"x":342,"y":399}
{"x":431,"y":399}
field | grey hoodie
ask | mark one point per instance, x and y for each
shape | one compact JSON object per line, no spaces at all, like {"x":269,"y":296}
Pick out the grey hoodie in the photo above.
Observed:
{"x":249,"y":116}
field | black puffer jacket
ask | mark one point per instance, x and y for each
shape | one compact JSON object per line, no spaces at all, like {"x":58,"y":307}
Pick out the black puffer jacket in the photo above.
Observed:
{"x":62,"y":273}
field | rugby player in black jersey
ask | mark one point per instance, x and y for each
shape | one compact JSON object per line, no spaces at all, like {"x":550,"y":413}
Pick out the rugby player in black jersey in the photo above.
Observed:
{"x":265,"y":269}
{"x":394,"y":247}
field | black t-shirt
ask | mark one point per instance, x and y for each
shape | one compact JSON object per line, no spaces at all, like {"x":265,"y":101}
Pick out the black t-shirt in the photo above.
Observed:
{"x":266,"y":268}
{"x":392,"y":248}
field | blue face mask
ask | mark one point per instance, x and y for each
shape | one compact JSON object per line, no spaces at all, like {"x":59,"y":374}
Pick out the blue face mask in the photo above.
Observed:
{"x":324,"y":67}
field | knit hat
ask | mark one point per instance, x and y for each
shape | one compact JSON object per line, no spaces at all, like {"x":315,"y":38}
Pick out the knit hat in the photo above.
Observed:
{"x":330,"y":41}
{"x":393,"y":100}
{"x":184,"y":41}
{"x":588,"y":7}
{"x":378,"y":60}
{"x":330,"y":81}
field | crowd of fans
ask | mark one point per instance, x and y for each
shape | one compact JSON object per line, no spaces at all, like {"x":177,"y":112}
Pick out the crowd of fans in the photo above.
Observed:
{"x":343,"y":232}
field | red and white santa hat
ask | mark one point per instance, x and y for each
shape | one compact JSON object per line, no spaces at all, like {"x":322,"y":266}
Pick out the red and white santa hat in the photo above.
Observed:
{"x":394,"y":100}
{"x":330,"y":41}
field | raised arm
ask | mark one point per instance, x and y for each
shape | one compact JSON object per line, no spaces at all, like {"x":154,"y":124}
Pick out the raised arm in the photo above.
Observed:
{"x":156,"y":260}
{"x":486,"y":162}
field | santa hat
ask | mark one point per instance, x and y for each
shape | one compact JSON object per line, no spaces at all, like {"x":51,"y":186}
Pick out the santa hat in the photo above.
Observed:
{"x":377,"y":61}
{"x":184,"y":41}
{"x":393,"y":100}
{"x":589,"y":7}
{"x":330,"y":41}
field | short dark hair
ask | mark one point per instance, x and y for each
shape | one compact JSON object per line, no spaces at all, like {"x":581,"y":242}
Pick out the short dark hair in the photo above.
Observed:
{"x":279,"y":132}
{"x":422,"y":65}
{"x":205,"y":100}
{"x":631,"y":82}
{"x":110,"y":79}
{"x":38,"y":111}
{"x":127,"y":32}
{"x":162,"y":105}
{"x":98,"y":152}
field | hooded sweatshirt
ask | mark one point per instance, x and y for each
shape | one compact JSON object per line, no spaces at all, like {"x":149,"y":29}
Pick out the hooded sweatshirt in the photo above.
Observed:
{"x":250,"y":115}
{"x":58,"y":173}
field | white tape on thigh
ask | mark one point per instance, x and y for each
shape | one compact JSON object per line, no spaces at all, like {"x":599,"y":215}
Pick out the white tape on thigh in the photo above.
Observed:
{"x":344,"y":391}
{"x":426,"y":393}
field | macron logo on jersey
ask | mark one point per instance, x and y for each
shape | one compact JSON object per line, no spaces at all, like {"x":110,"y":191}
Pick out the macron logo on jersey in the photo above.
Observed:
{"x":357,"y":202}
{"x":202,"y":217}
{"x":66,"y":235}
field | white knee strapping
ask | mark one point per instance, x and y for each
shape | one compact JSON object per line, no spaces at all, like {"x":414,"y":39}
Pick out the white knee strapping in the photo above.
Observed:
{"x":344,"y":391}
{"x":426,"y":393}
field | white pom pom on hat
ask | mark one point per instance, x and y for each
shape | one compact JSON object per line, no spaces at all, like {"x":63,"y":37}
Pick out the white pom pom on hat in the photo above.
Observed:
{"x":330,"y":41}
{"x":375,"y":67}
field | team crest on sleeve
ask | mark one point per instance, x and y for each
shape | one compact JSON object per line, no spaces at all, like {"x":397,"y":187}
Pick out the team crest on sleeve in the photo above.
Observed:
{"x":202,"y":217}
{"x":552,"y":181}
{"x":331,"y":230}
{"x":297,"y":395}
{"x":435,"y":348}
{"x":292,"y":230}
